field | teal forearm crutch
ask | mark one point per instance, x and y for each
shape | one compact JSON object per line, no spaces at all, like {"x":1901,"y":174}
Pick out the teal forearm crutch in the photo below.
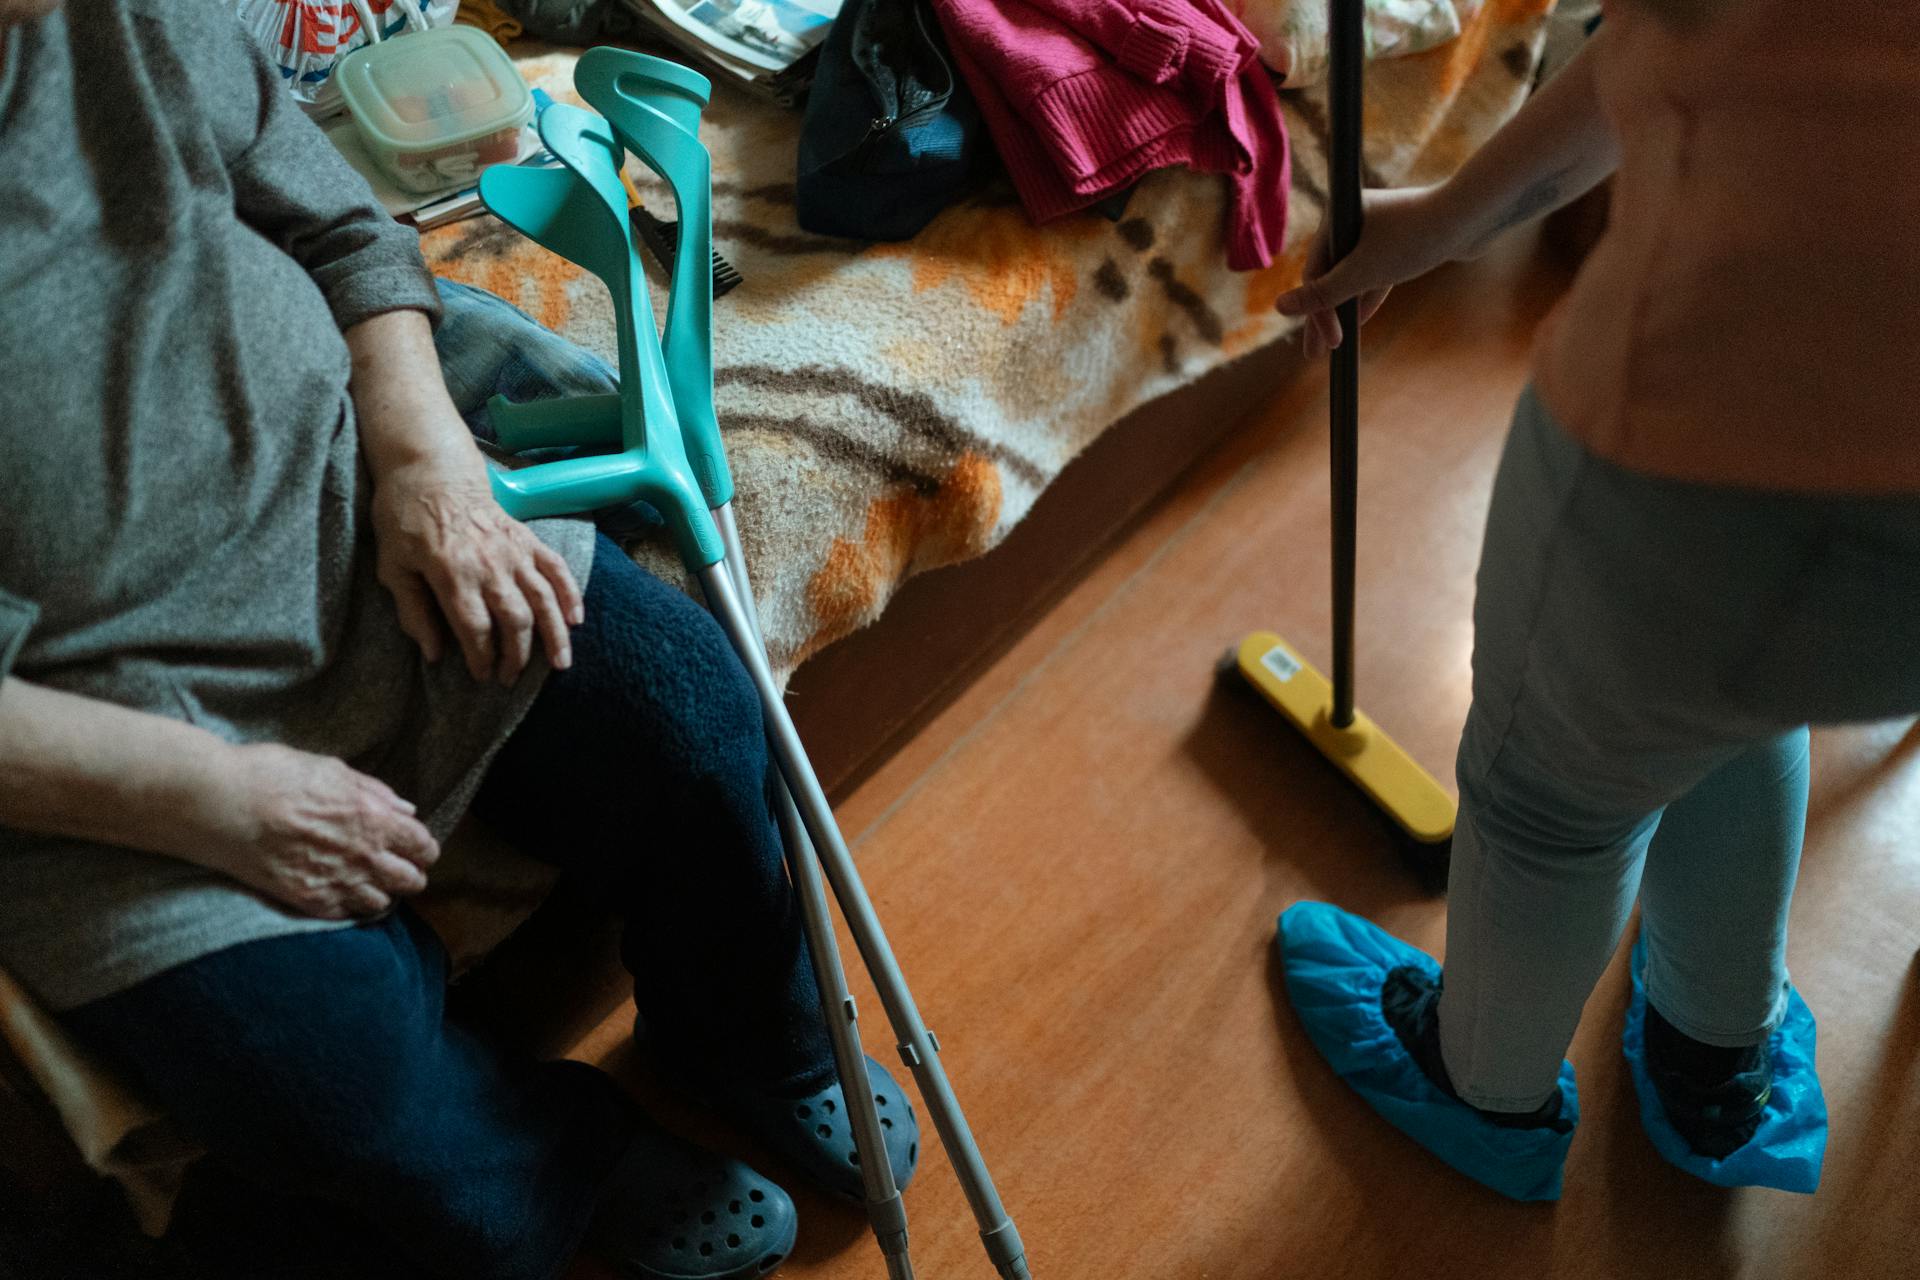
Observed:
{"x":601,"y":420}
{"x":654,"y":107}
{"x":654,"y":111}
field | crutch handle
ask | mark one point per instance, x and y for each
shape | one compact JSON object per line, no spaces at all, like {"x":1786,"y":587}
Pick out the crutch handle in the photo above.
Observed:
{"x":578,"y":485}
{"x":542,"y":424}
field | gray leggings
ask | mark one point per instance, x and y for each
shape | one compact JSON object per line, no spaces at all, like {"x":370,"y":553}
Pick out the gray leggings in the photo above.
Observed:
{"x":1647,"y":656}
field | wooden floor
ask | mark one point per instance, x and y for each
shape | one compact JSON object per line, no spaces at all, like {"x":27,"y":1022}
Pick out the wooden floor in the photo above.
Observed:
{"x":1081,"y":861}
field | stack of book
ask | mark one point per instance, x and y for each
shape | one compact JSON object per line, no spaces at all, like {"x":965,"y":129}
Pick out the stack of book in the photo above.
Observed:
{"x":765,"y":46}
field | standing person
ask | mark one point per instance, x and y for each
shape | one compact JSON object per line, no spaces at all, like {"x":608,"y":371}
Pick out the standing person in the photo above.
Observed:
{"x":1704,"y":534}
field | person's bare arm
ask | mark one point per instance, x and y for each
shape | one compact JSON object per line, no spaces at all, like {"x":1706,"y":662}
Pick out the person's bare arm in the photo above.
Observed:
{"x":305,"y":830}
{"x":446,"y":550}
{"x":1558,"y":147}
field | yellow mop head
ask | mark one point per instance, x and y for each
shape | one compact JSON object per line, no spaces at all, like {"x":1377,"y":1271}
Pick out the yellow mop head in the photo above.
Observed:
{"x":1388,"y":775}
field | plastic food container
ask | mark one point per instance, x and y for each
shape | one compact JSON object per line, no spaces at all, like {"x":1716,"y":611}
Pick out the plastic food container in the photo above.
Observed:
{"x":436,"y":107}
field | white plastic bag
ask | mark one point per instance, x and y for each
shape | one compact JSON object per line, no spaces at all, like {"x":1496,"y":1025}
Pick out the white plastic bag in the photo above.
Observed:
{"x":1293,"y":33}
{"x":307,"y":38}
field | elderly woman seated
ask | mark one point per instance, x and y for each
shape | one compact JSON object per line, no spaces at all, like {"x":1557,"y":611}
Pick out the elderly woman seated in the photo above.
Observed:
{"x":264,"y":636}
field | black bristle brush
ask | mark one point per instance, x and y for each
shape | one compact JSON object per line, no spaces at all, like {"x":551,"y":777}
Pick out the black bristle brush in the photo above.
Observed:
{"x":662,"y":239}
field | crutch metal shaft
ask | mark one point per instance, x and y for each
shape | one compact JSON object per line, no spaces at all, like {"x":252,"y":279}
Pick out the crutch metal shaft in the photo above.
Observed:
{"x":885,"y":1208}
{"x":918,"y":1049}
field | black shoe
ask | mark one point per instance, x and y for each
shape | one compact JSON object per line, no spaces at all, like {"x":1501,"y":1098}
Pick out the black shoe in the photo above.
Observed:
{"x":1715,"y":1098}
{"x":811,"y":1130}
{"x":1410,"y":1002}
{"x":815,"y":1134}
{"x":674,"y":1211}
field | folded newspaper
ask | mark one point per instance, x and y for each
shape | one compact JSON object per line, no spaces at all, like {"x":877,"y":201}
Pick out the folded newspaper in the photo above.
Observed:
{"x":763,"y":45}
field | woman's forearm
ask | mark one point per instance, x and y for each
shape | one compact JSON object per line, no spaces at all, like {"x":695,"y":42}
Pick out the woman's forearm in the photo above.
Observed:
{"x":87,"y":769}
{"x":400,"y":400}
{"x":307,"y":831}
{"x":1556,"y":149}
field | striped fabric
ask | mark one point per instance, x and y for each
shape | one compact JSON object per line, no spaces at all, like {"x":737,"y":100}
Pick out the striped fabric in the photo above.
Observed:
{"x":893,"y":408}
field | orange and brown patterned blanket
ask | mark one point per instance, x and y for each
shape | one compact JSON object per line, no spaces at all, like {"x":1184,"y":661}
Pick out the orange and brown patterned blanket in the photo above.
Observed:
{"x":891,"y":408}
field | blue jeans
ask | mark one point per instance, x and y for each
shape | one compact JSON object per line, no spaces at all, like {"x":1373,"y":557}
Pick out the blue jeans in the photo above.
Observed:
{"x":1647,"y":656}
{"x":488,"y":347}
{"x":322,"y":1075}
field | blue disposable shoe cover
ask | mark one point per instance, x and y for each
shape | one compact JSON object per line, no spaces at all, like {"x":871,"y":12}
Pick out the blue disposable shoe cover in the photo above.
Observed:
{"x":1787,"y":1150}
{"x":1336,"y":964}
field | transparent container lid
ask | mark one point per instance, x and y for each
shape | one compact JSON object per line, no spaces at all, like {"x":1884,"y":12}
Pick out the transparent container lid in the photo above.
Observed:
{"x":434,"y":88}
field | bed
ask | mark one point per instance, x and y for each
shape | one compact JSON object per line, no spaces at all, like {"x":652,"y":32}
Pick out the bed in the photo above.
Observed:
{"x":989,"y":396}
{"x":892,"y":408}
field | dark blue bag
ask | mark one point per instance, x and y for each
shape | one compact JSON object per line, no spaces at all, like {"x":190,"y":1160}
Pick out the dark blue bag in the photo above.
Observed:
{"x":891,"y":132}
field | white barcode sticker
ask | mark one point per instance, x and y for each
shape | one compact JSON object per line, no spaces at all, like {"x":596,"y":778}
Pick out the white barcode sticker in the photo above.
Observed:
{"x":1280,"y":662}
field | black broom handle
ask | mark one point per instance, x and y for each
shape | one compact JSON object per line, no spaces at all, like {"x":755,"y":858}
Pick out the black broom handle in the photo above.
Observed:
{"x":1346,"y":36}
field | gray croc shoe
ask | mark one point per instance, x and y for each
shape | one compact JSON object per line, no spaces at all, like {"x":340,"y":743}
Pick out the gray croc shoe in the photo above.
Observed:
{"x":674,"y":1211}
{"x":813,"y":1132}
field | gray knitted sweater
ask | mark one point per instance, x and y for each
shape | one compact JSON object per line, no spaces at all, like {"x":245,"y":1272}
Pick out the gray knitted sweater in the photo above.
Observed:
{"x":183,"y":506}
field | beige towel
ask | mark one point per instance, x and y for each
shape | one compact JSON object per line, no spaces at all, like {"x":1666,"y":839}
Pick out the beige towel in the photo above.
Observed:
{"x":118,"y":1134}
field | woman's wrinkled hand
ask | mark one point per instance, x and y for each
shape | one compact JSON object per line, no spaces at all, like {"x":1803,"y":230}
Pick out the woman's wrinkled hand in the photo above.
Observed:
{"x":311,"y":833}
{"x":454,"y":560}
{"x":1405,"y":234}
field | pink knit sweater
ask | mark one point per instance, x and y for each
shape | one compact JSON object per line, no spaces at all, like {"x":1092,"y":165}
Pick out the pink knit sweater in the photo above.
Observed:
{"x":1084,"y":97}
